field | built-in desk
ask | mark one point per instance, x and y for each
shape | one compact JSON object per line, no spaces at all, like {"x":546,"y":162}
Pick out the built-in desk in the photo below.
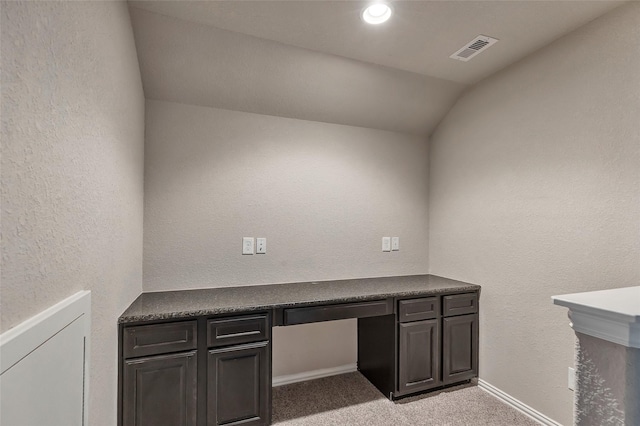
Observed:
{"x":203,"y":357}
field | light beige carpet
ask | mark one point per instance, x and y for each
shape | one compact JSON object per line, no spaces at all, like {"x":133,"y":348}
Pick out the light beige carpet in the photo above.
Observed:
{"x":349,"y":399}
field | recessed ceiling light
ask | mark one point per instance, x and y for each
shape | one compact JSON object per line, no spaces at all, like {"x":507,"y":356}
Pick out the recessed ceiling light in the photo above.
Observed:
{"x":376,"y":13}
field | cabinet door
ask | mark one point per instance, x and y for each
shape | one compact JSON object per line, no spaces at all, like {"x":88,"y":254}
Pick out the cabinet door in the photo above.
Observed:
{"x":160,"y":390}
{"x":239,"y":385}
{"x":460,"y":348}
{"x":419,"y":355}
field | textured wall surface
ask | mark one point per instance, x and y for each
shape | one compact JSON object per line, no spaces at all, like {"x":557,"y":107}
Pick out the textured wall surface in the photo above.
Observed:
{"x":307,"y":347}
{"x":322,"y":194}
{"x":198,"y":64}
{"x":72,"y":170}
{"x":535,"y":178}
{"x":607,"y":383}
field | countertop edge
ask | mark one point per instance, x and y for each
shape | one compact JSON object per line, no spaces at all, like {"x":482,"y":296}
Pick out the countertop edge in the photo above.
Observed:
{"x":125,"y":319}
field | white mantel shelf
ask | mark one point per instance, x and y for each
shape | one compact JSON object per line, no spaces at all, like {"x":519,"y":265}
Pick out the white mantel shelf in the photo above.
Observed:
{"x":612,"y":315}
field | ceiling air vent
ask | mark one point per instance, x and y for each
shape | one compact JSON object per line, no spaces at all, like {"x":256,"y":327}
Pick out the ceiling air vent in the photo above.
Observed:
{"x":475,"y":46}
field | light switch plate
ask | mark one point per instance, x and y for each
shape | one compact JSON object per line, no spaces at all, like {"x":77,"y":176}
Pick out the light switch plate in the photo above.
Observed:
{"x":386,"y":243}
{"x":261,"y":245}
{"x":247,"y":245}
{"x":395,"y":243}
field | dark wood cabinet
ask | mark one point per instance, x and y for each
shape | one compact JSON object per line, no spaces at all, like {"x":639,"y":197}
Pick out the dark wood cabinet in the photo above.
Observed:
{"x":215,"y":370}
{"x":378,"y":351}
{"x":338,"y":311}
{"x":459,"y":348}
{"x":421,"y":347}
{"x":160,"y":390}
{"x":155,"y":339}
{"x":419,"y":355}
{"x":225,"y":379}
{"x":460,"y":304}
{"x":239,"y":385}
{"x":237,"y":330}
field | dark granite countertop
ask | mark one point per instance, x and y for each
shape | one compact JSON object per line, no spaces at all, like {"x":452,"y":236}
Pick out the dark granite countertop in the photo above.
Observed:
{"x":222,"y":300}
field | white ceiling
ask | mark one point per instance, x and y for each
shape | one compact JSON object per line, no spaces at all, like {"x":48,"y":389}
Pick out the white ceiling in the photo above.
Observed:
{"x":419,"y":38}
{"x":203,"y":65}
{"x":316,"y":60}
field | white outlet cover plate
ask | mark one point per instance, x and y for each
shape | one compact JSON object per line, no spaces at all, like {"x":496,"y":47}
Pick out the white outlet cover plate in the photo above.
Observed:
{"x":247,"y":245}
{"x":395,"y":243}
{"x":386,"y":243}
{"x":261,"y":245}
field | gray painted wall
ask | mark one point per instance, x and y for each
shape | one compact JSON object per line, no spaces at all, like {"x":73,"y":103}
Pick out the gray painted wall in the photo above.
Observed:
{"x":72,"y":170}
{"x":534,"y":191}
{"x":322,"y":194}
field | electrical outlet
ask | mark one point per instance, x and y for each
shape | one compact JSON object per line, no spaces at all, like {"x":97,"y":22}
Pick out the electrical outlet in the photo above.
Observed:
{"x":247,"y":245}
{"x":395,"y":243}
{"x":261,"y":245}
{"x":572,"y":378}
{"x":386,"y":243}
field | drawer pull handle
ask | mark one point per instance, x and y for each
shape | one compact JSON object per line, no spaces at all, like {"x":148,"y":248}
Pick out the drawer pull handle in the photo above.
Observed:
{"x":246,"y":333}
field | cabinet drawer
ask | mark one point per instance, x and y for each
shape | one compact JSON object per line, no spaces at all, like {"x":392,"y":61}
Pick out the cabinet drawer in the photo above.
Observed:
{"x":460,"y":304}
{"x":156,"y":339}
{"x":231,"y":331}
{"x":337,"y":312}
{"x":418,"y":309}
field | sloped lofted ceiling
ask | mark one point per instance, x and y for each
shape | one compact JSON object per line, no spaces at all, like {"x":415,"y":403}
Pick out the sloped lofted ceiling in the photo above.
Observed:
{"x":316,"y":60}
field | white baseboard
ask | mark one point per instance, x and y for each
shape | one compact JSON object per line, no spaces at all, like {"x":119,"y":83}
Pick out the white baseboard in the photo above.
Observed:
{"x":314,"y":374}
{"x":518,"y":405}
